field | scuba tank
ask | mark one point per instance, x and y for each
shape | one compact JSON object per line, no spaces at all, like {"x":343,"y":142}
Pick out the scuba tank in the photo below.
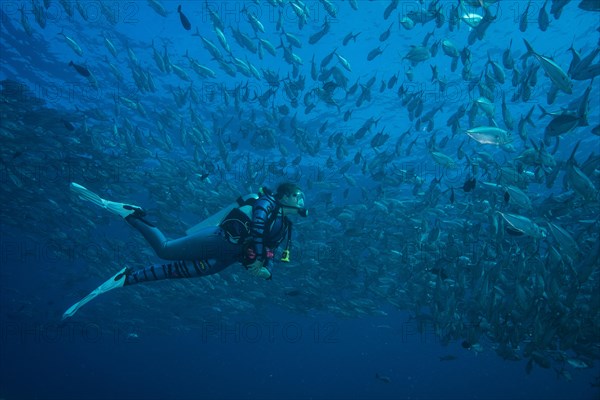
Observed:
{"x":236,"y":218}
{"x":242,"y":202}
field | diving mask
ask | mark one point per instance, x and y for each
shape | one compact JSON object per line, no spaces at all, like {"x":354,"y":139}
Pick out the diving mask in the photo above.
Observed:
{"x":295,"y":201}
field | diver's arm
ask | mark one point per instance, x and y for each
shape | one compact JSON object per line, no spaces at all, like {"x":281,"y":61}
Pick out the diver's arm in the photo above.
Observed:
{"x":260,"y":216}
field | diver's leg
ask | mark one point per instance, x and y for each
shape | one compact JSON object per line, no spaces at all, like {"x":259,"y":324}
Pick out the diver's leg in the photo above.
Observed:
{"x":204,"y":244}
{"x":175,"y":270}
{"x":178,"y":270}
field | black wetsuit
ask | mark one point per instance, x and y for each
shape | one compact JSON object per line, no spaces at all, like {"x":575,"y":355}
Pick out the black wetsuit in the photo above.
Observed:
{"x":212,"y":249}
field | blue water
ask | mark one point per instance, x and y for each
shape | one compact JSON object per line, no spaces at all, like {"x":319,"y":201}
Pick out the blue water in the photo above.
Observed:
{"x":279,"y":354}
{"x":286,"y":357}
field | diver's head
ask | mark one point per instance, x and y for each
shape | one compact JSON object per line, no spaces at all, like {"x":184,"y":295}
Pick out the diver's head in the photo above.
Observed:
{"x":290,"y":197}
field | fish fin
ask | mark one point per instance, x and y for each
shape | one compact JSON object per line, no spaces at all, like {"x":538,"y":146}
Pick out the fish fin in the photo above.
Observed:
{"x":571,"y":160}
{"x":530,"y":50}
{"x":534,"y":145}
{"x":528,"y":117}
{"x":544,"y":112}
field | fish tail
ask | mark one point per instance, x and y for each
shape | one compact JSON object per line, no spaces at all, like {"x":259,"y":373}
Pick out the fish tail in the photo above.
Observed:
{"x":529,"y":48}
{"x":572,"y":43}
{"x":179,"y":8}
{"x":529,"y":120}
{"x":571,"y":160}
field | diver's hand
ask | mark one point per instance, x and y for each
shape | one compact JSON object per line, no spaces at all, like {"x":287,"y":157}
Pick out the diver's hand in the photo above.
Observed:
{"x":258,"y":269}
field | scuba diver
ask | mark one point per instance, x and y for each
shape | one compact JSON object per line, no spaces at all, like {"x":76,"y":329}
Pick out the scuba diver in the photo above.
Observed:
{"x":248,"y":232}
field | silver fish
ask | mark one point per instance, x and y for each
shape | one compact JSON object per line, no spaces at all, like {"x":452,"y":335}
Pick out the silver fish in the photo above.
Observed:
{"x":554,"y":72}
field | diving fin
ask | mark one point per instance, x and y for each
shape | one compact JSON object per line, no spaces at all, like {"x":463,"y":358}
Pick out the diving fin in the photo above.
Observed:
{"x":116,"y":208}
{"x":117,"y":281}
